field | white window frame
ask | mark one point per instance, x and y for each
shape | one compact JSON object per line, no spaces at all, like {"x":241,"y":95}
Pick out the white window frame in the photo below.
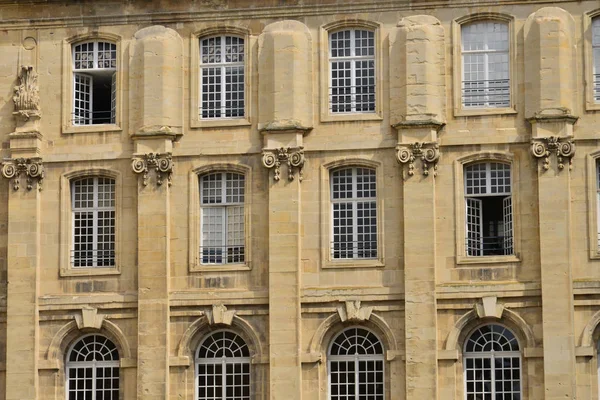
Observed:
{"x":356,"y":359}
{"x":354,"y":201}
{"x":95,"y":209}
{"x":223,"y":361}
{"x":90,"y":364}
{"x":352,"y":59}
{"x":595,"y":28}
{"x":222,"y":66}
{"x":491,"y":355}
{"x":473,"y":203}
{"x":88,"y":75}
{"x":487,"y":91}
{"x":225,"y":206}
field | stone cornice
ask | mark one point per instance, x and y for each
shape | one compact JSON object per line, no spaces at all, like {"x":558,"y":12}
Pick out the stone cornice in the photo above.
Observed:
{"x":120,"y":17}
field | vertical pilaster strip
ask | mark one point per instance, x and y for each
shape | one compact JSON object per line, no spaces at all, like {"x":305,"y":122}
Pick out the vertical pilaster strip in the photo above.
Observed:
{"x":22,"y":293}
{"x":153,"y":293}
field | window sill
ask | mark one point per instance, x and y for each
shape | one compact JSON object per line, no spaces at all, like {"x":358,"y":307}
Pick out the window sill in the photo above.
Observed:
{"x":89,"y":271}
{"x":220,"y":267}
{"x":91,"y":128}
{"x":219,"y":122}
{"x":592,"y":106}
{"x":372,"y":116}
{"x":353,"y":263}
{"x":479,"y":260}
{"x":595,"y":255}
{"x":478,"y":112}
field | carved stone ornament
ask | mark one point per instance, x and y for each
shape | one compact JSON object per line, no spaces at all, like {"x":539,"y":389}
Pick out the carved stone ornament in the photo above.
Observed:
{"x":353,"y":311}
{"x":26,"y":97}
{"x":32,"y":168}
{"x":220,"y":315}
{"x":292,"y":156}
{"x":161,"y":163}
{"x":428,"y":153}
{"x":564,"y":148}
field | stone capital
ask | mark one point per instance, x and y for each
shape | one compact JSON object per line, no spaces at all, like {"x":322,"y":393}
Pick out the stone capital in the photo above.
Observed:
{"x":292,"y":156}
{"x":161,"y":163}
{"x":31,"y":168}
{"x":427,"y":153}
{"x":562,"y":147}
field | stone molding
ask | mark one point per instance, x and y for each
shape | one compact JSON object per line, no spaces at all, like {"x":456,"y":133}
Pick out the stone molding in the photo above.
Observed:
{"x":562,"y":147}
{"x":292,"y":156}
{"x":162,"y":163}
{"x":32,"y":168}
{"x":427,"y":152}
{"x":26,"y":97}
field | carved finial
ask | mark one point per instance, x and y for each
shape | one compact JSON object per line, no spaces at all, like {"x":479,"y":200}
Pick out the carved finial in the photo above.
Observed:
{"x":428,"y":153}
{"x":220,"y":315}
{"x":26,"y":97}
{"x":292,"y":156}
{"x":353,"y":311}
{"x":161,"y":163}
{"x":32,"y":168}
{"x":543,"y":148}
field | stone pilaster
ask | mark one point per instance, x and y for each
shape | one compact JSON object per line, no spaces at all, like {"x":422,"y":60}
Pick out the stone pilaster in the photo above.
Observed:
{"x":550,"y":101}
{"x":417,"y":111}
{"x":285,"y":116}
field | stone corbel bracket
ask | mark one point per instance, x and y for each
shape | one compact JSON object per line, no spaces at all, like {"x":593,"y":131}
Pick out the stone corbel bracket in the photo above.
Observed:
{"x":32,"y":168}
{"x":353,"y":311}
{"x":563,"y":147}
{"x":161,"y":163}
{"x":428,"y":153}
{"x":219,"y":315}
{"x":292,"y":156}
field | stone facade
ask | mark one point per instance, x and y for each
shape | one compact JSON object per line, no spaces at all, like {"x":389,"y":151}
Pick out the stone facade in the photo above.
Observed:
{"x":422,"y":288}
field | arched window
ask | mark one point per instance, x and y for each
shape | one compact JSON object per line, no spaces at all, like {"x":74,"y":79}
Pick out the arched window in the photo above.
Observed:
{"x":223,"y":368}
{"x":492,"y":364}
{"x":355,"y":366}
{"x":93,"y":369}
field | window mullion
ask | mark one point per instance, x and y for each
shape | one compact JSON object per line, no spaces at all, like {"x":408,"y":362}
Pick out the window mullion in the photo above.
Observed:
{"x":223,"y":379}
{"x":353,"y":71}
{"x":223,"y":76}
{"x":354,"y":213}
{"x":94,"y":380}
{"x":493,"y":375}
{"x":95,"y":227}
{"x":95,"y":54}
{"x":224,"y":229}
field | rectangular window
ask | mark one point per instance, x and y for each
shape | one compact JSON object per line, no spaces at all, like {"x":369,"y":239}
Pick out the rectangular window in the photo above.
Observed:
{"x":596,"y":58}
{"x":222,"y":83}
{"x":485,"y":65}
{"x":354,"y":212}
{"x":93,"y":208}
{"x":352,"y":71}
{"x":222,"y":226}
{"x":488,"y":205}
{"x":94,"y":83}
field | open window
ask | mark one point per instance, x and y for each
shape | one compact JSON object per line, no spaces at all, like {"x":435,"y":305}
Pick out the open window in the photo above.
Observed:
{"x":488,"y":209}
{"x":94,"y":83}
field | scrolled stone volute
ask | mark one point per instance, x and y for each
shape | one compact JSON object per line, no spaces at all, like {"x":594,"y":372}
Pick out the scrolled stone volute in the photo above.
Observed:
{"x":550,"y":67}
{"x":156,"y":82}
{"x":286,"y":93}
{"x":417,"y":70}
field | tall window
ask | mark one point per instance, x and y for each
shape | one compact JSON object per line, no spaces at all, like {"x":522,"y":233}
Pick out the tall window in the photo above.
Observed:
{"x":352,"y":71}
{"x":354,"y":211}
{"x":596,"y":56}
{"x":488,"y":203}
{"x":223,"y":368}
{"x":94,"y":83}
{"x":492,"y":363}
{"x":93,"y":208}
{"x":222,"y":77}
{"x":93,"y":369}
{"x":222,"y":226}
{"x":355,"y":366}
{"x":485,"y":65}
{"x":598,"y":204}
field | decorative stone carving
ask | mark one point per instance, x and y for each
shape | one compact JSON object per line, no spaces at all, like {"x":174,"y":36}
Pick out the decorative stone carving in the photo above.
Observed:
{"x":489,"y":307}
{"x":161,"y":163}
{"x":428,"y":153}
{"x":563,"y":147}
{"x":89,"y":318}
{"x":353,"y":311}
{"x":220,"y":315}
{"x":32,"y":168}
{"x":292,"y":156}
{"x":26,"y":97}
